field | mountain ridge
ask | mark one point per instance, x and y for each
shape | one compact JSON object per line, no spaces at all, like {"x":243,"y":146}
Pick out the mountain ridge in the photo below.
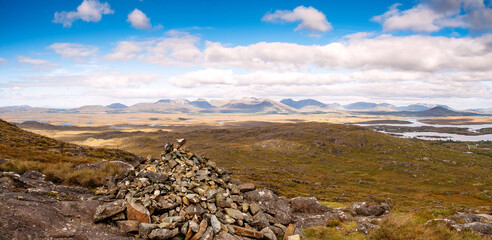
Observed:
{"x":249,"y":105}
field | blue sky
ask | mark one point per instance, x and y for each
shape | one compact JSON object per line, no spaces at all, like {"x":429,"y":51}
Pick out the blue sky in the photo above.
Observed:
{"x":61,"y":53}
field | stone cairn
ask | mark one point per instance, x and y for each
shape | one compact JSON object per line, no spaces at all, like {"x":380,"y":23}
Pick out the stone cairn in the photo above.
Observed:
{"x":184,"y":195}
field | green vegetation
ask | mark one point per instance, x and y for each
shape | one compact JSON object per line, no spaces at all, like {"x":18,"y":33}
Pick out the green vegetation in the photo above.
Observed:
{"x":338,"y":164}
{"x":24,"y":151}
{"x":409,"y":226}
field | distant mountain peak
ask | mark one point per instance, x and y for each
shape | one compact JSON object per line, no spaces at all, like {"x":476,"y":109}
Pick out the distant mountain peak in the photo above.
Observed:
{"x":117,"y":105}
{"x":202,"y":103}
{"x":302,"y":103}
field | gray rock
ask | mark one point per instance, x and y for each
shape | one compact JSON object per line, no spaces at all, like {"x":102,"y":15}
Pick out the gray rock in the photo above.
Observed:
{"x":194,"y":210}
{"x":364,"y":209}
{"x":161,"y":234}
{"x":271,"y":203}
{"x":234,"y":213}
{"x":194,"y":226}
{"x":144,"y":229}
{"x":308,"y":205}
{"x":109,"y":209}
{"x":208,"y":234}
{"x":211,"y":193}
{"x":483,"y":228}
{"x":268,"y":234}
{"x":260,"y":221}
{"x":254,"y":208}
{"x":128,"y":226}
{"x":215,"y":224}
{"x":246,"y":187}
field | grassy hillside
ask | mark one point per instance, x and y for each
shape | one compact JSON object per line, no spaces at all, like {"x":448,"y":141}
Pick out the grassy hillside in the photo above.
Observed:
{"x":21,"y":150}
{"x":336,"y":163}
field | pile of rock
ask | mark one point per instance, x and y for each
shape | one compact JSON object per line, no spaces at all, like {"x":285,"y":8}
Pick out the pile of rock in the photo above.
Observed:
{"x":184,"y":194}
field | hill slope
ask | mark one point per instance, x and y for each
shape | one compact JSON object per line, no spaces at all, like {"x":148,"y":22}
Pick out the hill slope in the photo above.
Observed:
{"x":21,"y":150}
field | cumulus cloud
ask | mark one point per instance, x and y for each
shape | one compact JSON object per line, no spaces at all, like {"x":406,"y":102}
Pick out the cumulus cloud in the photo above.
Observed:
{"x":139,"y":20}
{"x":125,"y":50}
{"x":178,"y":48}
{"x":88,"y":11}
{"x":311,"y":19}
{"x":75,"y":51}
{"x":3,"y":60}
{"x":433,"y":15}
{"x":416,"y":53}
{"x":35,"y":63}
{"x":407,"y":53}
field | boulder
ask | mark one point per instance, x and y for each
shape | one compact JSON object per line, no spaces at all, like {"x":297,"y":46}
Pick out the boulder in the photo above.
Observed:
{"x":483,"y":228}
{"x":144,"y":229}
{"x":161,"y":234}
{"x":247,"y":232}
{"x":109,"y":209}
{"x":135,"y":211}
{"x":268,"y":234}
{"x":128,"y":226}
{"x":269,"y":202}
{"x":246,"y":187}
{"x":308,"y":205}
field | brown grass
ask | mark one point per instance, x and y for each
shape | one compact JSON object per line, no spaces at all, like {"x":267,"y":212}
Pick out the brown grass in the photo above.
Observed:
{"x":28,"y":151}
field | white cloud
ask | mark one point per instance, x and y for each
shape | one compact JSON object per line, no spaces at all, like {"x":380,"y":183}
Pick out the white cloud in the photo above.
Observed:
{"x":226,"y":77}
{"x":416,"y":53}
{"x":418,"y":19}
{"x":359,"y":51}
{"x":139,"y":20}
{"x":177,"y":49}
{"x":75,"y":51}
{"x":35,"y":63}
{"x":433,"y":15}
{"x":311,"y":19}
{"x":3,"y":60}
{"x":88,"y":11}
{"x":125,"y":50}
{"x":116,"y":80}
{"x":362,"y":85}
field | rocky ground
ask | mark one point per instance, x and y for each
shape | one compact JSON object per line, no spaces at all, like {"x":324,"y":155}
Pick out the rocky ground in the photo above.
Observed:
{"x":32,"y":208}
{"x":177,"y":196}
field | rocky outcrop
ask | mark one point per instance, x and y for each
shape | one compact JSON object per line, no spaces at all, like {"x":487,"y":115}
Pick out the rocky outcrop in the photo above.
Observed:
{"x":481,"y":223}
{"x":32,"y":208}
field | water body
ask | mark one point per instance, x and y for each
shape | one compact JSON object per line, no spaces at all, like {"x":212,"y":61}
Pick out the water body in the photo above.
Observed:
{"x":416,"y":123}
{"x":442,"y":136}
{"x":438,"y":136}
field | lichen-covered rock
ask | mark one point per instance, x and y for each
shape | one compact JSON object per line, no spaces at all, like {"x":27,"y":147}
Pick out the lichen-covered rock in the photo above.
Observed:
{"x":269,"y":202}
{"x":308,"y":205}
{"x":128,"y":225}
{"x":109,"y":209}
{"x":160,"y":234}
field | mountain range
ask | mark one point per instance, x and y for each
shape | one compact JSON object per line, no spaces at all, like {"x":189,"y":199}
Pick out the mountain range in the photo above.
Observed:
{"x":253,"y":105}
